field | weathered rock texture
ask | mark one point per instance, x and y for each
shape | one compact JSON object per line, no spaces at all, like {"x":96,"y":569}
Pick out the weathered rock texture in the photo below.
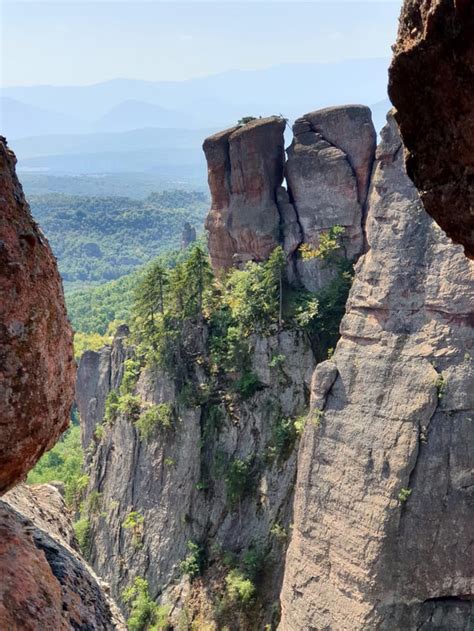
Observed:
{"x":175,"y":479}
{"x":383,"y":508}
{"x":327,"y":172}
{"x":36,"y":359}
{"x":245,"y":167}
{"x":97,"y":375}
{"x":327,"y":176}
{"x":44,"y":584}
{"x":431,"y":85}
{"x":188,"y":235}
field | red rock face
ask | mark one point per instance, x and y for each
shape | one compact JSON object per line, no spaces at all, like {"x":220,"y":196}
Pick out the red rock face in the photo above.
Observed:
{"x":37,"y":369}
{"x":245,"y":169}
{"x":432,"y":86}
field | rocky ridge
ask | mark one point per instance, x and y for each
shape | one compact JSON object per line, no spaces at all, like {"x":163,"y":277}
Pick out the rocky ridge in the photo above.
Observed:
{"x":383,"y":502}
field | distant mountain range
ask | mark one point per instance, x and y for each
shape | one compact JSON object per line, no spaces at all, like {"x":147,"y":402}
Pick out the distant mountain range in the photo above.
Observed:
{"x":132,"y":125}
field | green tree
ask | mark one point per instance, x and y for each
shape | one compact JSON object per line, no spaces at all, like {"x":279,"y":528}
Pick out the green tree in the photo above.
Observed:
{"x":149,"y":299}
{"x":198,"y":276}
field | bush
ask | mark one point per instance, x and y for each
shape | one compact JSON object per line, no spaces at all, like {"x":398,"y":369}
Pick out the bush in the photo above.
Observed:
{"x":160,"y":415}
{"x":99,"y":432}
{"x":111,"y":407}
{"x":193,"y":565}
{"x":129,"y":405}
{"x":133,"y":520}
{"x":239,"y":589}
{"x":285,"y":434}
{"x":404,"y":495}
{"x":238,"y":480}
{"x":247,"y":385}
{"x":131,"y":372}
{"x":82,"y":530}
{"x":144,"y":612}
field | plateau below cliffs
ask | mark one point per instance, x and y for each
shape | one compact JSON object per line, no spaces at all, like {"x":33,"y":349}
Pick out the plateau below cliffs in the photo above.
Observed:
{"x":383,"y":507}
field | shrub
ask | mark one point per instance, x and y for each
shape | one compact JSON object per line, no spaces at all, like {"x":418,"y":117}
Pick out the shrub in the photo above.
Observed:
{"x":276,"y":361}
{"x":441,"y":386}
{"x":193,"y":564}
{"x":404,"y":495}
{"x":279,"y":532}
{"x":99,"y":432}
{"x":239,"y":589}
{"x":284,"y":436}
{"x":133,"y":520}
{"x":131,"y":372}
{"x":252,"y":563}
{"x":154,"y":416}
{"x":238,"y":480}
{"x":247,"y":385}
{"x":129,"y":405}
{"x":111,"y":407}
{"x":82,"y":530}
{"x":92,"y":502}
{"x":144,"y":612}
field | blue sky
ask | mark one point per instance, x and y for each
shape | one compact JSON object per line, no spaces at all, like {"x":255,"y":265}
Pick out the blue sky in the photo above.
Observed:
{"x":86,"y":42}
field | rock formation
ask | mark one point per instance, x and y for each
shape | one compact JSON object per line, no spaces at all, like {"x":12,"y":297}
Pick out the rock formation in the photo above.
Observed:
{"x":44,"y":583}
{"x":383,"y":507}
{"x":36,"y":359}
{"x":245,"y":167}
{"x":97,"y":375}
{"x":431,"y":81}
{"x":188,"y":235}
{"x":175,"y":479}
{"x":327,"y":175}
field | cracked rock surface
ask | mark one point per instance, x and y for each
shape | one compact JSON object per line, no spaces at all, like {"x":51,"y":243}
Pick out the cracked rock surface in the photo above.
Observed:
{"x":431,"y":85}
{"x":37,"y":368}
{"x":383,"y":506}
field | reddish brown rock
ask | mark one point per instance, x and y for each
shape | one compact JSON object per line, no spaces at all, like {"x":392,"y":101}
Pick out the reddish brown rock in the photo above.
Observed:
{"x":44,"y":584}
{"x":36,"y":359}
{"x":245,"y":169}
{"x":431,"y":85}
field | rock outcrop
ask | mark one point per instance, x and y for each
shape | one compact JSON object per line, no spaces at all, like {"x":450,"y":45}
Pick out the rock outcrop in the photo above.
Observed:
{"x":245,"y":168}
{"x":188,"y":235}
{"x":97,"y":375}
{"x":36,"y":359}
{"x":174,"y":481}
{"x":44,"y":583}
{"x":327,"y":175}
{"x":431,"y":81}
{"x":383,"y":507}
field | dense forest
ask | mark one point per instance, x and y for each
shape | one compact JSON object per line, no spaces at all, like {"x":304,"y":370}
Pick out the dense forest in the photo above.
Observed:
{"x":97,"y":239}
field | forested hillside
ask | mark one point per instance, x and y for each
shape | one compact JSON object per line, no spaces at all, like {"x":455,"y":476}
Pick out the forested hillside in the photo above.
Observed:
{"x":102,"y":238}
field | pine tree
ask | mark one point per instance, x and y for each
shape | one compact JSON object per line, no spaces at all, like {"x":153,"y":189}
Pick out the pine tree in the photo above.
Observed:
{"x":150,"y":297}
{"x":198,"y":276}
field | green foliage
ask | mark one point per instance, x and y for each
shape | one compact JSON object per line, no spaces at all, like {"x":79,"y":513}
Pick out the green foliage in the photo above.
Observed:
{"x":239,"y":589}
{"x":285,"y":434}
{"x":246,"y":119}
{"x":152,"y":417}
{"x":82,"y":530}
{"x":129,"y":405}
{"x":131,"y":372}
{"x":252,"y":563}
{"x":99,"y":432}
{"x":103,"y":238}
{"x":111,"y":407}
{"x":239,"y":480}
{"x":63,"y":463}
{"x":276,"y":361}
{"x":404,"y":495}
{"x":92,"y":503}
{"x":133,"y":520}
{"x":247,"y":385}
{"x":89,"y":342}
{"x":193,"y":565}
{"x":279,"y":532}
{"x":145,"y":614}
{"x":329,"y":244}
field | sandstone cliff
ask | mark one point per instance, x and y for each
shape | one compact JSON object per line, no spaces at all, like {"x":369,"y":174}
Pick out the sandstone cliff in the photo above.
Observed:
{"x":44,"y":583}
{"x":36,"y":360}
{"x":383,"y":504}
{"x":431,"y":81}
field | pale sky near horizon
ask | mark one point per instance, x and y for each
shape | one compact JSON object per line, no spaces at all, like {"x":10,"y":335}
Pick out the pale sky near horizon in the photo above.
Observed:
{"x":71,"y":43}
